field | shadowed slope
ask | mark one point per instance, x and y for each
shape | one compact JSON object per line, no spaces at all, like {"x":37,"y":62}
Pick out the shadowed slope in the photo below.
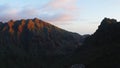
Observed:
{"x":102,"y":49}
{"x":33,"y":43}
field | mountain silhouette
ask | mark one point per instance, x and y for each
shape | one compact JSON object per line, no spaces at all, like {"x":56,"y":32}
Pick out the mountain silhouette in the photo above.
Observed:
{"x":33,"y":43}
{"x":101,"y":49}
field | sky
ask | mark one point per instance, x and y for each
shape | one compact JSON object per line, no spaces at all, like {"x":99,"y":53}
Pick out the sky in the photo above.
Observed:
{"x":80,"y":16}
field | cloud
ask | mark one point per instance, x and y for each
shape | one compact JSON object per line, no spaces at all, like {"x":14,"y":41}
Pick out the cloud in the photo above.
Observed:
{"x":62,"y":10}
{"x":53,"y":11}
{"x":28,"y":13}
{"x":62,"y":4}
{"x":7,"y":13}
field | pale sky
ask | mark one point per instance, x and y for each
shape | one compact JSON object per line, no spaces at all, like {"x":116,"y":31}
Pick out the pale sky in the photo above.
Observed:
{"x":81,"y":16}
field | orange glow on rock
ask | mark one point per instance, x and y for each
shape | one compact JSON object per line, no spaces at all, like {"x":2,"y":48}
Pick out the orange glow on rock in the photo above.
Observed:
{"x":30,"y":25}
{"x":20,"y":27}
{"x":10,"y":24}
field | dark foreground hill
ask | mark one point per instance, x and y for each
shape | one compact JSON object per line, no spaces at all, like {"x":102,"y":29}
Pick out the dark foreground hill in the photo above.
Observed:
{"x":102,"y":49}
{"x":33,"y":43}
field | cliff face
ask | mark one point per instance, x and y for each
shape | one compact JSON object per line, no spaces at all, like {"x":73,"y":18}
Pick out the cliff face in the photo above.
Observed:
{"x":107,"y":42}
{"x":102,"y":49}
{"x":108,"y":31}
{"x":33,"y":43}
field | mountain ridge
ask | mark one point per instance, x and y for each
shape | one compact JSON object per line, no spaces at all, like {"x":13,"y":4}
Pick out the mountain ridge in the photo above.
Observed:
{"x":34,"y":43}
{"x":31,"y":24}
{"x":101,"y":49}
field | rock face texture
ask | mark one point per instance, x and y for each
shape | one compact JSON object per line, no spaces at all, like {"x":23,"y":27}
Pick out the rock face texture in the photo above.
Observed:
{"x":33,"y":43}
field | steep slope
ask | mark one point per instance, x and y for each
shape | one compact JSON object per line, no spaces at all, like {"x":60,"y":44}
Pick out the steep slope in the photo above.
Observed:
{"x":102,"y":49}
{"x":107,"y":40}
{"x":34,"y":43}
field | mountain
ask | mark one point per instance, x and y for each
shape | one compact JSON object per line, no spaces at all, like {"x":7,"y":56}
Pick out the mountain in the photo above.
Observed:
{"x":101,"y":49}
{"x":33,"y":43}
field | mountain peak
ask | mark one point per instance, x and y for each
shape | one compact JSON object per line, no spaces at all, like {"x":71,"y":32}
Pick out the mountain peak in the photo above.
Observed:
{"x":109,"y":29}
{"x":28,"y":24}
{"x":41,"y":33}
{"x":108,"y":21}
{"x":103,"y":45}
{"x":36,"y":19}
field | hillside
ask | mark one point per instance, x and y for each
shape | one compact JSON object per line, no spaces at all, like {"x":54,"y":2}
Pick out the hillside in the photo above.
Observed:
{"x":101,"y":49}
{"x":33,"y":43}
